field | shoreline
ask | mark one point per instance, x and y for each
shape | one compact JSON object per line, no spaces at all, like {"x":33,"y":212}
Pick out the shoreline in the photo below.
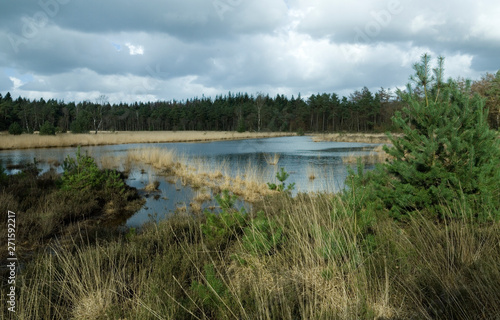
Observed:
{"x":61,"y":140}
{"x":354,"y":137}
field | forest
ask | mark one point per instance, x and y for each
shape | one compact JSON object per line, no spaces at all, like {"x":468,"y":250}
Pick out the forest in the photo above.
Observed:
{"x":361,"y":111}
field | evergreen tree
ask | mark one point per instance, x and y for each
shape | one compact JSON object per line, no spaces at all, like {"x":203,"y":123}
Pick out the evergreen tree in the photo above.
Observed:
{"x":47,"y":129}
{"x":447,"y":153}
{"x":15,"y":129}
{"x":79,"y":125}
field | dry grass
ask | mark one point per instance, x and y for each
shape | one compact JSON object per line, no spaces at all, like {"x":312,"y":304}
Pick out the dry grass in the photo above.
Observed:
{"x":110,"y":162}
{"x":28,"y":141}
{"x":195,"y":207}
{"x":202,"y":196}
{"x":156,"y":157}
{"x":152,"y":186}
{"x":311,"y":172}
{"x":248,"y":183}
{"x":84,"y":286}
{"x":354,"y":137}
{"x":326,"y":267}
{"x":272,"y":159}
{"x":309,"y":277}
{"x":378,"y":155}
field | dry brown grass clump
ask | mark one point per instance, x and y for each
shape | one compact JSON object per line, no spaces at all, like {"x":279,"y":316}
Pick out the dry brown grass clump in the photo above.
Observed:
{"x":195,"y":207}
{"x":202,"y":196}
{"x":272,"y":159}
{"x":378,"y":155}
{"x":152,"y":186}
{"x":110,"y":162}
{"x":28,"y":141}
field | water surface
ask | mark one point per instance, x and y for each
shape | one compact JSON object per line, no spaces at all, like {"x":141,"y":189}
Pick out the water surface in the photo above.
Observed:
{"x":313,"y":166}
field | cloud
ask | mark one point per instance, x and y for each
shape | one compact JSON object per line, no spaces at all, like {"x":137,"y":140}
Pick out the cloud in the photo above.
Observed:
{"x":134,"y":50}
{"x":169,"y":49}
{"x":16,"y":83}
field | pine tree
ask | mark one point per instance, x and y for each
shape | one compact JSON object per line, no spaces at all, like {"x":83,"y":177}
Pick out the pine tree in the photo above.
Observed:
{"x":447,"y":153}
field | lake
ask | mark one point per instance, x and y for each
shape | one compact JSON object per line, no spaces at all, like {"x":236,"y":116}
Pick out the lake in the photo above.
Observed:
{"x":313,"y":166}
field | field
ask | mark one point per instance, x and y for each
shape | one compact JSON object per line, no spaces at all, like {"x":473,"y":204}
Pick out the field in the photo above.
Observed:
{"x":27,"y":141}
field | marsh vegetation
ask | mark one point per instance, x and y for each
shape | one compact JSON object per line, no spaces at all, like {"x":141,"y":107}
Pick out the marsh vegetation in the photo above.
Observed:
{"x":417,"y":237}
{"x":29,"y":141}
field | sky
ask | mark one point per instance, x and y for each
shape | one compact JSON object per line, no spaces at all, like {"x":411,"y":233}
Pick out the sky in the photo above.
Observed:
{"x":149,"y":50}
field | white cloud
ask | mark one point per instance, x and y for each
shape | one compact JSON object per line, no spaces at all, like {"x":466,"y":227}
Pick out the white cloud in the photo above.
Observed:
{"x":460,"y":65}
{"x":134,"y":50}
{"x":16,"y":83}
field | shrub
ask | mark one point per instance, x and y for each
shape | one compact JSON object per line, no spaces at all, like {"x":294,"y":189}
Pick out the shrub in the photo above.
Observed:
{"x":82,"y":173}
{"x":47,"y":129}
{"x":226,"y":200}
{"x":15,"y":129}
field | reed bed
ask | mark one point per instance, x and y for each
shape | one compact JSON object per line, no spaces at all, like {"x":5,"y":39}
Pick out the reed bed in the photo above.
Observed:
{"x":28,"y":141}
{"x":156,"y":157}
{"x":110,"y":162}
{"x":248,"y":183}
{"x":353,"y":137}
{"x":378,"y":155}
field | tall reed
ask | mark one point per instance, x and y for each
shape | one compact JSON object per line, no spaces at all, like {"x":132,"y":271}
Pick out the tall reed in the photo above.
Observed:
{"x":249,"y":183}
{"x":28,"y":141}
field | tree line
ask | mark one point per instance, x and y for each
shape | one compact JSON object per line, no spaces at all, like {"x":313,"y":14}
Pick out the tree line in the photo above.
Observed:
{"x":361,"y":111}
